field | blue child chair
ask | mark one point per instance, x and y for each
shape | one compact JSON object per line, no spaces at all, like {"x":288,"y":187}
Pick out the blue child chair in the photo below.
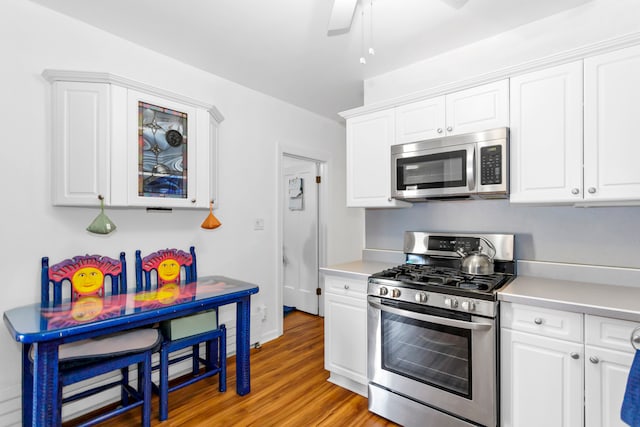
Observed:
{"x":168,"y":268}
{"x":81,"y":282}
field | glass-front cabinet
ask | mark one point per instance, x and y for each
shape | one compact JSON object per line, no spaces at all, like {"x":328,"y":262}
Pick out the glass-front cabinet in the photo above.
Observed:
{"x":131,"y":144}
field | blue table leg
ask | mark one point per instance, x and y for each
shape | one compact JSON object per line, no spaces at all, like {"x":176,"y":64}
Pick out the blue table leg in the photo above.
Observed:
{"x":243,"y":378}
{"x":27,"y":386}
{"x":45,"y":410}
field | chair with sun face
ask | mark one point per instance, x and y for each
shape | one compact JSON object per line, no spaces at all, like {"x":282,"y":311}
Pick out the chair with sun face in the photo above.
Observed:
{"x":166,"y":269}
{"x":83,"y":282}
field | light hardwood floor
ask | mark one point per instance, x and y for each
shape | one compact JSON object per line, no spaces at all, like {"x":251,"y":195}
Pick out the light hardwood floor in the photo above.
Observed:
{"x":289,"y":387}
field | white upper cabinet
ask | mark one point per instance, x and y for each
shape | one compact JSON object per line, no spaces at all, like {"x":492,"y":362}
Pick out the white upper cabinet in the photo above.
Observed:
{"x":546,"y":135}
{"x":479,"y":108}
{"x":369,"y":140}
{"x":476,"y":109}
{"x":420,"y":120}
{"x":130,"y":143}
{"x":611,"y":111}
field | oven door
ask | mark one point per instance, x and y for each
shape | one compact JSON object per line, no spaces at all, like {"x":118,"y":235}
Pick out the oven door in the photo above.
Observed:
{"x":444,"y":359}
{"x":436,"y":172}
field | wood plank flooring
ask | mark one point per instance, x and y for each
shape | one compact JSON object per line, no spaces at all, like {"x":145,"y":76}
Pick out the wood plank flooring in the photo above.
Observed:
{"x":289,"y":387}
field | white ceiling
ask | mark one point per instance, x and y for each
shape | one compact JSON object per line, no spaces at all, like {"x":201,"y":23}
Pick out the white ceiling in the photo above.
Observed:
{"x":281,"y":47}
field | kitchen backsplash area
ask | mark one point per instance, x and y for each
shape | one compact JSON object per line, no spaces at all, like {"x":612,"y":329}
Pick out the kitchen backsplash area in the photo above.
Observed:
{"x":596,"y":236}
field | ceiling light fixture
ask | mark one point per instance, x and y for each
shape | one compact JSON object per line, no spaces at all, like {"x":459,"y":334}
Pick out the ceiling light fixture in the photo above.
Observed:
{"x":370,"y":50}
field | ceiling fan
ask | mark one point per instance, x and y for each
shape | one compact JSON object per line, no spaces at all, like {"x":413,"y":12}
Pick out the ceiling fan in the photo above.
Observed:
{"x":343,"y":11}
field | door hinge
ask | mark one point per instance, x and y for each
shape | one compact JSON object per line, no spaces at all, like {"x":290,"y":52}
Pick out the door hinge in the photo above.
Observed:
{"x":318,"y":179}
{"x":318,"y":291}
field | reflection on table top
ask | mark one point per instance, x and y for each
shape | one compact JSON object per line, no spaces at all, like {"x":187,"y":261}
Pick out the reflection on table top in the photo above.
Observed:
{"x":37,"y":322}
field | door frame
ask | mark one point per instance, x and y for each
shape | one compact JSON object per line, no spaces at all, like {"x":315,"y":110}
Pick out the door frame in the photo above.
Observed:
{"x":323,"y":159}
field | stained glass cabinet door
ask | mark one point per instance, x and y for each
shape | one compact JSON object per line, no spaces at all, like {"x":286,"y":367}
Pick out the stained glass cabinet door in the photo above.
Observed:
{"x":163,"y":148}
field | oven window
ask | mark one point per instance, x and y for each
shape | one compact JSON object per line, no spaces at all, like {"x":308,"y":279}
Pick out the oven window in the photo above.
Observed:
{"x":433,"y":171}
{"x":434,"y":354}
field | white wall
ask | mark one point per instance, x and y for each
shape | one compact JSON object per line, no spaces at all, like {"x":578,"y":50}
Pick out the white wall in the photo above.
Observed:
{"x":33,"y":38}
{"x":600,"y":236}
{"x":588,"y":24}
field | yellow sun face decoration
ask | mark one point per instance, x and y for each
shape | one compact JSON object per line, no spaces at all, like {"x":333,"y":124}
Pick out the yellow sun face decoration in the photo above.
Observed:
{"x":87,"y":280}
{"x":169,"y":270}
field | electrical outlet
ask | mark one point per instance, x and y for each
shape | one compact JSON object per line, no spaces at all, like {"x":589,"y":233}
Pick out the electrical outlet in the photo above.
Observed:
{"x":258,"y":224}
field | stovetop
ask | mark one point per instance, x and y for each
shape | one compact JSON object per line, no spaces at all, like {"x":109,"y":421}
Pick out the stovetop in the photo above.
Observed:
{"x":432,"y":274}
{"x":426,"y":277}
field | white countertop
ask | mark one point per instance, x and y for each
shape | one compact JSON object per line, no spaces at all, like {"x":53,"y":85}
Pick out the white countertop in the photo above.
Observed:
{"x":357,"y":269}
{"x":581,"y":295}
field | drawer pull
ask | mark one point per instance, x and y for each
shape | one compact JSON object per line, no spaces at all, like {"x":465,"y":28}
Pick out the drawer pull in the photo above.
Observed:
{"x":574,"y":355}
{"x":346,"y":286}
{"x":635,"y":338}
{"x":537,"y":321}
{"x":594,"y":359}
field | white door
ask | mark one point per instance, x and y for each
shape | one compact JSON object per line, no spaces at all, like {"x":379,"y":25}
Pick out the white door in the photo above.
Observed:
{"x":606,"y":373}
{"x":479,"y":108}
{"x":546,"y":135}
{"x":300,"y":234}
{"x":611,"y":111}
{"x":542,"y":381}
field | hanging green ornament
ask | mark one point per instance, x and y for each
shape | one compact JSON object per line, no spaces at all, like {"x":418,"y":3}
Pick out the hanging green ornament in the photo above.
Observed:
{"x":101,"y":224}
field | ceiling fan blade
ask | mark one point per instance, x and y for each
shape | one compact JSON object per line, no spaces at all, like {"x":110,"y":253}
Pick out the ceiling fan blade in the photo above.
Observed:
{"x":342,"y":15}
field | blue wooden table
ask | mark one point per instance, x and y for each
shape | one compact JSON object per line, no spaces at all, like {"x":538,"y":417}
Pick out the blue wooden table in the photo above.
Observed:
{"x":45,"y":327}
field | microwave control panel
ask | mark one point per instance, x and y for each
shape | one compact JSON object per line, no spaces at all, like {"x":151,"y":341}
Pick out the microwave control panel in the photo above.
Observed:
{"x":491,"y":165}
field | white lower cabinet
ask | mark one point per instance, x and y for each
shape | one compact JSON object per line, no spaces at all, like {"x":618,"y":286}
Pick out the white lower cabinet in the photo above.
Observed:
{"x":552,"y":376}
{"x":608,"y":358}
{"x":345,"y":332}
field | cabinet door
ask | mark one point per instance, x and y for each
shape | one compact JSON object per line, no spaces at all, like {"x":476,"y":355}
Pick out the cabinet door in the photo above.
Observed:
{"x":345,"y":344}
{"x":541,"y":382}
{"x":420,"y":120}
{"x":479,"y":108}
{"x":163,"y":139}
{"x":369,"y":140}
{"x":606,"y":373}
{"x":80,"y":152}
{"x":611,"y":110}
{"x":546,"y":135}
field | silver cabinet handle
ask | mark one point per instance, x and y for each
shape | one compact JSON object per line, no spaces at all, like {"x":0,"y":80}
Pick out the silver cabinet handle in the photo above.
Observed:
{"x":537,"y":321}
{"x":346,"y":286}
{"x":575,"y":191}
{"x":574,"y":355}
{"x":591,"y":190}
{"x":439,"y":130}
{"x":594,"y":359}
{"x":635,"y":338}
{"x":449,"y":128}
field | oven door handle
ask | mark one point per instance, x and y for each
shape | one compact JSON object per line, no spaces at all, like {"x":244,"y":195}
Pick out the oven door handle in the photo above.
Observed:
{"x":432,"y":319}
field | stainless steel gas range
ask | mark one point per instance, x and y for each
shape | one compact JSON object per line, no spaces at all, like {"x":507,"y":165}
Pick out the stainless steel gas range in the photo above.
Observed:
{"x":433,"y":331}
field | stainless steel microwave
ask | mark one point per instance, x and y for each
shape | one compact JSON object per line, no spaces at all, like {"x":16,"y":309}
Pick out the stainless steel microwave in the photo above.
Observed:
{"x":473,"y":165}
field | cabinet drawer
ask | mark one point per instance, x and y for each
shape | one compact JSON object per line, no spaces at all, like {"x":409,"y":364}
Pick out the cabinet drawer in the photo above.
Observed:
{"x":614,"y":334}
{"x":343,"y":286}
{"x":542,"y":321}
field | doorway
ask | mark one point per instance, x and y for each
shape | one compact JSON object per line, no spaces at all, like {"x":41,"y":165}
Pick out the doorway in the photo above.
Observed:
{"x":300,"y":234}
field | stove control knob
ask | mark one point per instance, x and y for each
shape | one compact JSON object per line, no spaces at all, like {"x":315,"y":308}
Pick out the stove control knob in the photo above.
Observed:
{"x":468,"y":306}
{"x":451,"y":303}
{"x":395,"y":293}
{"x":383,"y":291}
{"x":421,"y":297}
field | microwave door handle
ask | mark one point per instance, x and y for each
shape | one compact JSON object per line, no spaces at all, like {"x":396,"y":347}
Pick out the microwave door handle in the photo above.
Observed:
{"x":471,"y":169}
{"x":432,"y":319}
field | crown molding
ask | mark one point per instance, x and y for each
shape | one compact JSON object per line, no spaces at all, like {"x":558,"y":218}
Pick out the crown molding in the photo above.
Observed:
{"x":52,"y":76}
